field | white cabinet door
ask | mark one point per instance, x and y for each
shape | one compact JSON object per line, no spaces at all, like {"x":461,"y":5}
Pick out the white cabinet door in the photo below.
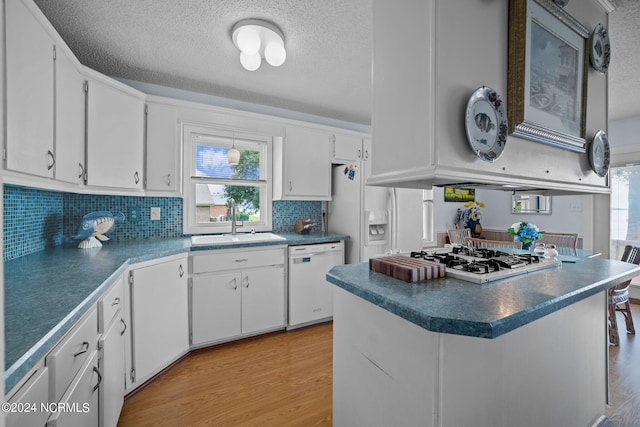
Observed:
{"x":215,"y":307}
{"x":115,"y":130}
{"x":346,"y":148}
{"x":113,"y":374}
{"x":306,"y":165}
{"x":262,"y":299}
{"x":82,"y":396}
{"x":29,"y":92}
{"x":70,"y":105}
{"x":163,"y":149}
{"x":159,"y":317}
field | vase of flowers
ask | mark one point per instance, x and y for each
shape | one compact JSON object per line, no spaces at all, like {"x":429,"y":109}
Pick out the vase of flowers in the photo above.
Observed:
{"x":526,"y":233}
{"x":470,"y":217}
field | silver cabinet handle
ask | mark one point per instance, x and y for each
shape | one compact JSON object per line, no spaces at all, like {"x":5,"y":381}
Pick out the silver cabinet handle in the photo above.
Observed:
{"x":290,"y":186}
{"x":235,"y":284}
{"x":181,"y":270}
{"x":81,"y":169}
{"x":366,"y":154}
{"x":246,"y":279}
{"x":136,"y":177}
{"x":359,"y":153}
{"x":115,"y":301}
{"x":97,"y":371}
{"x":241,"y":260}
{"x":85,"y":347}
{"x":125,"y":326}
{"x":169,"y":180}
{"x":52,"y":158}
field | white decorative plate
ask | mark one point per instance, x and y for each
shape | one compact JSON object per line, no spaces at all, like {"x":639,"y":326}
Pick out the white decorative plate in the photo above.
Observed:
{"x":486,"y":124}
{"x":599,"y":155}
{"x":600,"y":52}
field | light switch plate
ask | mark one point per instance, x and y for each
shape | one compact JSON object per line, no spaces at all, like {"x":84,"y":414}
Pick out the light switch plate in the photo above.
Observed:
{"x":155,"y":214}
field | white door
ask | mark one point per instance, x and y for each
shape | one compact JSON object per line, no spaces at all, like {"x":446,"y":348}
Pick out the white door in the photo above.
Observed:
{"x":262,"y":299}
{"x":308,"y":163}
{"x":159,"y":317}
{"x":29,"y":86}
{"x":163,"y":148}
{"x":215,"y":307}
{"x":70,"y":105}
{"x":113,"y":374}
{"x":115,"y":137}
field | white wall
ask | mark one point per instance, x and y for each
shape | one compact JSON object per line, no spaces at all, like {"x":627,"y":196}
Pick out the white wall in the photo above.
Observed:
{"x":567,"y":212}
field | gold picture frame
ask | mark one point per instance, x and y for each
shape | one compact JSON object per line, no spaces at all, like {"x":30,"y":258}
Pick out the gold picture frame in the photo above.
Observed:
{"x":547,"y":75}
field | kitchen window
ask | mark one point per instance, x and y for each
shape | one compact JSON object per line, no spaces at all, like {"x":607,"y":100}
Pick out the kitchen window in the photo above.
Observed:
{"x":210,"y":181}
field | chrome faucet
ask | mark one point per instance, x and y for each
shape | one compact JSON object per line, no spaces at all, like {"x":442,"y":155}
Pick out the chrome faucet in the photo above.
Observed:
{"x":232,"y":214}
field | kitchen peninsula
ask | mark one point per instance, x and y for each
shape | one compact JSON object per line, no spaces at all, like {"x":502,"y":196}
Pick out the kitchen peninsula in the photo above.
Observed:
{"x":528,"y":350}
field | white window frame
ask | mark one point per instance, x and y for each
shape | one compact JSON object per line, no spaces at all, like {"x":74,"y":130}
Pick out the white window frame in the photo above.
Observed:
{"x":189,"y":224}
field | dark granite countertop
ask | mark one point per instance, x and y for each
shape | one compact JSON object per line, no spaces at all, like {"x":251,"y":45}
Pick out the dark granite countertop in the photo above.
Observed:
{"x":488,"y":310}
{"x":47,"y":292}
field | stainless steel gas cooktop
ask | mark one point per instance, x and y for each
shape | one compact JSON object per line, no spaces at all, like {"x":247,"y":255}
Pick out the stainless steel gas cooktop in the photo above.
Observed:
{"x":484,"y":265}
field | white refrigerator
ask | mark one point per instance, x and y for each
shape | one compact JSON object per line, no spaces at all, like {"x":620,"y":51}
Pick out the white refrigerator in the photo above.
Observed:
{"x":377,"y":219}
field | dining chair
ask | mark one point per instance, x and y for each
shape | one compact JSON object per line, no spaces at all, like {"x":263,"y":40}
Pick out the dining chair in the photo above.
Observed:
{"x":477,"y":243}
{"x":459,"y":236}
{"x":618,"y":298}
{"x":566,"y":243}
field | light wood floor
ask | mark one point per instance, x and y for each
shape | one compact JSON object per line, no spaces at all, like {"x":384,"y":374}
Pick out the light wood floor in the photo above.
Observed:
{"x":279,"y":379}
{"x":284,"y":379}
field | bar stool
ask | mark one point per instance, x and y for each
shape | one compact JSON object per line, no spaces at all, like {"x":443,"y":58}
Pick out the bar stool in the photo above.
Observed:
{"x":618,"y":298}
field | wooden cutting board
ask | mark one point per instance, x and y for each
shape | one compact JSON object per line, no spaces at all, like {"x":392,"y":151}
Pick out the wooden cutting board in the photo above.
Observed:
{"x":406,"y":268}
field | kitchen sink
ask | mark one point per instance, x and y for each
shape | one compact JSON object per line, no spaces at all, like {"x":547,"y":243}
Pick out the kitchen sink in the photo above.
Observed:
{"x":229,"y":239}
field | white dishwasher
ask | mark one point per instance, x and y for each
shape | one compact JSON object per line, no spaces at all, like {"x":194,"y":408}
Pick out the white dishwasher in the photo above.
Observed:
{"x":310,"y":295}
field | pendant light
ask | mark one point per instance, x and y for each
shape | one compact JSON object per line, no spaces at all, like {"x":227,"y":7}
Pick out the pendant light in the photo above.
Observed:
{"x":233,"y":155}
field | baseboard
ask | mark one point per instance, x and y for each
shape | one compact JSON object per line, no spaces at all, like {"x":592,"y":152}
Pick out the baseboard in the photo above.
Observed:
{"x":634,"y":301}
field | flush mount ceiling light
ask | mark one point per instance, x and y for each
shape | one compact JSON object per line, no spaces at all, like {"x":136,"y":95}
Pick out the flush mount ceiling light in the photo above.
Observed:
{"x":258,"y":39}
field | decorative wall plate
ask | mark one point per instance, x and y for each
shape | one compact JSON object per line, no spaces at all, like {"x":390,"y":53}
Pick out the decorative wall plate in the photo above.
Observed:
{"x":599,"y":154}
{"x":600,"y":52}
{"x":486,"y":124}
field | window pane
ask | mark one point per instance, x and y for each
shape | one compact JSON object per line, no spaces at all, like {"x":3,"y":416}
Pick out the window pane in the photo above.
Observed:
{"x":211,"y":160}
{"x":212,"y":202}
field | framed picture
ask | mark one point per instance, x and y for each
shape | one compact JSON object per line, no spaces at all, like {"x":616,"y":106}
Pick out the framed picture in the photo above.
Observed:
{"x":547,"y":75}
{"x":452,"y":194}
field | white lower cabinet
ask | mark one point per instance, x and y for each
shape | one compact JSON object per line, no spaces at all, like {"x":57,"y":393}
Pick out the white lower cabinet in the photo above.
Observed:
{"x":79,"y":404}
{"x":112,"y":362}
{"x":159,"y":317}
{"x":35,"y":391}
{"x":240,"y":301}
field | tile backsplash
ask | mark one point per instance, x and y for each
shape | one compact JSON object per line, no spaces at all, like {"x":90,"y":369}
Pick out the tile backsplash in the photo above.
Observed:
{"x":37,"y":219}
{"x":32,"y":220}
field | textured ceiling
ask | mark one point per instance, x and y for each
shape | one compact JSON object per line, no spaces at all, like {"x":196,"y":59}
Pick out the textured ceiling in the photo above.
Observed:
{"x":624,"y":71}
{"x":186,"y":44}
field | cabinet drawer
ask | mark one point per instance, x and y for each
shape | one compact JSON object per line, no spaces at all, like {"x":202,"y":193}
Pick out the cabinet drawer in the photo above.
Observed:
{"x":82,"y":395}
{"x":67,"y":357}
{"x":232,"y":260}
{"x":109,"y":305}
{"x":33,"y":392}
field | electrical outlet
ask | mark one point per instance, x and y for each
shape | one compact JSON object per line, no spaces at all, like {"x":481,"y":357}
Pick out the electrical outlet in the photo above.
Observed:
{"x":155,"y":214}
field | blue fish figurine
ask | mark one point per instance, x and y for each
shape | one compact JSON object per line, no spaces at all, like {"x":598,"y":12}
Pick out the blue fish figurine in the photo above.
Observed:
{"x":96,"y":224}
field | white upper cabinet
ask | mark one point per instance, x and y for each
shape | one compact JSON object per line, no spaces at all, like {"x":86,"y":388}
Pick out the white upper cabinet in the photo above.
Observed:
{"x":70,"y":107}
{"x":302,"y":164}
{"x":29,"y":91}
{"x":346,"y":148}
{"x":115,"y":129}
{"x":163,"y":149}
